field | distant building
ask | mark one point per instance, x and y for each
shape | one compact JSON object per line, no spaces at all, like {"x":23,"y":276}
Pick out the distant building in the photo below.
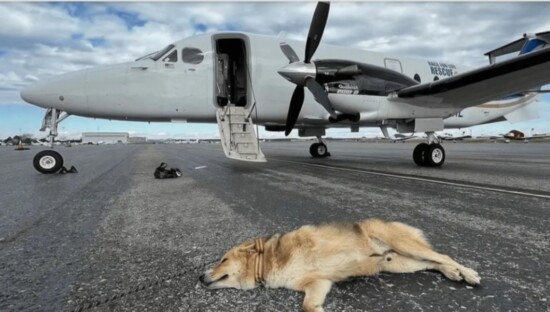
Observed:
{"x":105,"y":137}
{"x":137,"y":140}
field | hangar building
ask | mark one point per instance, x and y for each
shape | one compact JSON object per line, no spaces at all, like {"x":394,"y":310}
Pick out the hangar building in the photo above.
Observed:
{"x":105,"y":137}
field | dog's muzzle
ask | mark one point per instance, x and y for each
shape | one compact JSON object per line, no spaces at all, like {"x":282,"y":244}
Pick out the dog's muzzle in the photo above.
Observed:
{"x":206,"y":278}
{"x":207,"y":281}
{"x":202,"y":279}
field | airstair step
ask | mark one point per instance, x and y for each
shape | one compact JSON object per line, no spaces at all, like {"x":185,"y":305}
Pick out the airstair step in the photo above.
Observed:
{"x":247,"y":148}
{"x":237,"y":119}
{"x":238,"y":135}
{"x":243,"y":138}
{"x":240,"y":128}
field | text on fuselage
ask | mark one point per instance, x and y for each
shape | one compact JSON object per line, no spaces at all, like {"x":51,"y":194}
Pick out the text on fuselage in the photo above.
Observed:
{"x":442,"y":69}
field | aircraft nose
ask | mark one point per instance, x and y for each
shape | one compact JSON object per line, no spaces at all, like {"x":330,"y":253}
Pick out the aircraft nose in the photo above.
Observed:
{"x":33,"y":94}
{"x":62,"y":92}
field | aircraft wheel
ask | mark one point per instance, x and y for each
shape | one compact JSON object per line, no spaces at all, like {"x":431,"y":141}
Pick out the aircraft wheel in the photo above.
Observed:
{"x":319,"y":150}
{"x":434,"y":156}
{"x":47,"y":161}
{"x":418,"y":154}
{"x":313,"y":150}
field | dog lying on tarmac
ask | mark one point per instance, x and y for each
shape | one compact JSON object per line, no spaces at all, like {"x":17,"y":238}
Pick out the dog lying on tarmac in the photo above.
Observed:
{"x":311,"y":258}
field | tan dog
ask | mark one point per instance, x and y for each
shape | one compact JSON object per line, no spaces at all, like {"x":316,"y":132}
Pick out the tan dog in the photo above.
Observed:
{"x":311,"y":258}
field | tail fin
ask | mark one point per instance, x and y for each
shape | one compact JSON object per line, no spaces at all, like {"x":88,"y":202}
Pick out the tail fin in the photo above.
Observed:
{"x":528,"y":43}
{"x":532,"y":44}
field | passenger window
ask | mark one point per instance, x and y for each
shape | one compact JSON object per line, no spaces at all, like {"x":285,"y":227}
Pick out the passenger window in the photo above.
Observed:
{"x":172,"y":57}
{"x":192,"y":55}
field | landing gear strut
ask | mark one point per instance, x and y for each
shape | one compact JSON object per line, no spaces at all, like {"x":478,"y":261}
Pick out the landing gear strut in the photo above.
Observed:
{"x":50,"y":161}
{"x":431,"y":154}
{"x":319,"y":150}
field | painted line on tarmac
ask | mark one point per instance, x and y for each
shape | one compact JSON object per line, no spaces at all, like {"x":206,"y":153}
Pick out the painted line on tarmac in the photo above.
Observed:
{"x":421,"y":179}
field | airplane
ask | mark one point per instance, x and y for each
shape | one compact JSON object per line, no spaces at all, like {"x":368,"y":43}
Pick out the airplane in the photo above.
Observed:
{"x":450,"y":137}
{"x":234,"y":79}
{"x":520,"y":136}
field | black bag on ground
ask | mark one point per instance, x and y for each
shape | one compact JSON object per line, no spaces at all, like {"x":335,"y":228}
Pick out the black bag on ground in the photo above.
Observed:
{"x":162,"y":173}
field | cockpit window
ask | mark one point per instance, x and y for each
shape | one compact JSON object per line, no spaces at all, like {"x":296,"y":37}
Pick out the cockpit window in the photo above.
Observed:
{"x":192,"y":55}
{"x":150,"y":55}
{"x":157,"y":56}
{"x":172,"y":57}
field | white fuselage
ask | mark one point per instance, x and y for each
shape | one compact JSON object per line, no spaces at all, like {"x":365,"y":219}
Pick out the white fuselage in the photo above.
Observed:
{"x":148,"y":90}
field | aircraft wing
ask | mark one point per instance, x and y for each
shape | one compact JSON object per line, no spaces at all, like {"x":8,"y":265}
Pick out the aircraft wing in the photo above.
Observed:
{"x":481,"y":85}
{"x":541,"y":136}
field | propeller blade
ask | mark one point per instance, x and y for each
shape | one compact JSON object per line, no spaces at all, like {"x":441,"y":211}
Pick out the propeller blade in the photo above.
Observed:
{"x":316,"y":29}
{"x":294,"y":109}
{"x":320,"y":96}
{"x":289,"y":52}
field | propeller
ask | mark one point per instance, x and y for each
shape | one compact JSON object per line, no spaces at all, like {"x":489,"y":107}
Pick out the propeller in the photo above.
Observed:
{"x":316,"y":29}
{"x":303,"y":73}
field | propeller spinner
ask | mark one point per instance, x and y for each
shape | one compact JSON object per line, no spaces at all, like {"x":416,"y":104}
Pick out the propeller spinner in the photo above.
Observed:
{"x":303,"y":73}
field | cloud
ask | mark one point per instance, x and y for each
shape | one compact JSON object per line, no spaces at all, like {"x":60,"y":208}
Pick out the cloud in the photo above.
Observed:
{"x":45,"y":39}
{"x":40,"y":40}
{"x":22,"y":24}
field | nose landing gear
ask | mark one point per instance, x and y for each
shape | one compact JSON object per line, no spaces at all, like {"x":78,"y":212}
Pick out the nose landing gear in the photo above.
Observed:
{"x":47,"y":161}
{"x":429,"y":155}
{"x":50,"y":161}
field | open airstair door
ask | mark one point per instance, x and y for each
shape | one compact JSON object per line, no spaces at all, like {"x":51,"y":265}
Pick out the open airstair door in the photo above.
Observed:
{"x":237,"y":133}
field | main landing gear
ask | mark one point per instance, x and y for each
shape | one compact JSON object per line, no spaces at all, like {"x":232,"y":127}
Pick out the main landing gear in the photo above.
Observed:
{"x":431,"y":154}
{"x":50,"y":161}
{"x":319,"y":150}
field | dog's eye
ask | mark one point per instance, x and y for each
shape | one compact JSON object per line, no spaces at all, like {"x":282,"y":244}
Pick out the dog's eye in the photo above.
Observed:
{"x":223,"y":260}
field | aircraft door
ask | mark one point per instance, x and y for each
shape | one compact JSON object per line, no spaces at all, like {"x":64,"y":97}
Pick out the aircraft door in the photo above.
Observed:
{"x":222,"y":79}
{"x":231,"y":72}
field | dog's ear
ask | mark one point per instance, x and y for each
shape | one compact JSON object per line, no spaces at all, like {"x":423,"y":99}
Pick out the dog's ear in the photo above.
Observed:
{"x":248,"y":247}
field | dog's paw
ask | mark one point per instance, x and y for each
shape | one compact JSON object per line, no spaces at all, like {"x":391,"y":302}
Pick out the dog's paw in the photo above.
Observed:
{"x":470,"y":276}
{"x":451,"y":272}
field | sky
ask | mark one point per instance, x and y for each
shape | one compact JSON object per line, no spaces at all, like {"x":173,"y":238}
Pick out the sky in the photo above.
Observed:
{"x":40,"y":40}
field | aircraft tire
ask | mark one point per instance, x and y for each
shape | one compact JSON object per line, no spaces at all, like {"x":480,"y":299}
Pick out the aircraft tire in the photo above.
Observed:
{"x":418,"y":154}
{"x":47,"y":161}
{"x":322,"y":150}
{"x":434,"y":156}
{"x":319,"y":150}
{"x":313,"y":150}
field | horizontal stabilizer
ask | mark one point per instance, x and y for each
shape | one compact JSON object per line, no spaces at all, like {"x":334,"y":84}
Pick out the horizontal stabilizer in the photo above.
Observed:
{"x":527,"y":112}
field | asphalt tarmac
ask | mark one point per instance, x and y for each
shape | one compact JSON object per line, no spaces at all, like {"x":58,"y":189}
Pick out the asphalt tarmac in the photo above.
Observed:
{"x":111,"y":237}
